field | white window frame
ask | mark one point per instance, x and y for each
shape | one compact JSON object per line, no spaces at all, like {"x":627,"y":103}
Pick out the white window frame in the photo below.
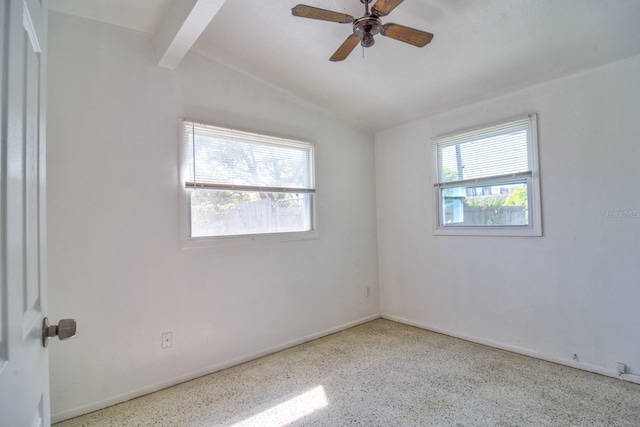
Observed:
{"x":531,"y":177}
{"x":187,"y":241}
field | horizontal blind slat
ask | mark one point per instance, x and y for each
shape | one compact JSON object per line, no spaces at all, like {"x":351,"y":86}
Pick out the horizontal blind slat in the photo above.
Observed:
{"x":252,"y":188}
{"x":495,"y":180}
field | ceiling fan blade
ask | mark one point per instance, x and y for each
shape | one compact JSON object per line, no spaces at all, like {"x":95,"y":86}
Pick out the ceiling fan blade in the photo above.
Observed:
{"x":345,"y":48}
{"x":406,"y":34}
{"x":384,"y":7}
{"x":305,"y":11}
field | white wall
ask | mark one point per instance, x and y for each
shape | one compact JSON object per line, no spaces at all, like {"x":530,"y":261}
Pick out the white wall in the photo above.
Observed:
{"x":115,"y":258}
{"x":576,"y":290}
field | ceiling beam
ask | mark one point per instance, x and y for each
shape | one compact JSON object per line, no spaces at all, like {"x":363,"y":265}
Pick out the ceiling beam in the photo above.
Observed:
{"x":183,"y":23}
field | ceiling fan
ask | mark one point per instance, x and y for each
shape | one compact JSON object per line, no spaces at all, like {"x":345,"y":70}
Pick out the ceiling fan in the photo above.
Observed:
{"x":366,"y":27}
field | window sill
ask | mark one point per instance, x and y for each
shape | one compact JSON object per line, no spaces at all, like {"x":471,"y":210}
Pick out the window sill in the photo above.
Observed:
{"x":249,"y":239}
{"x":488,"y":231}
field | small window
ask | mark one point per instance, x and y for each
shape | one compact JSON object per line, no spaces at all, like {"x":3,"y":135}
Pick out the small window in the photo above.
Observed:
{"x":487,"y":181}
{"x":243,"y":184}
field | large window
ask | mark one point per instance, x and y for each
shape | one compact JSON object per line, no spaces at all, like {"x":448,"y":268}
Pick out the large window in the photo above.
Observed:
{"x":487,"y":180}
{"x":242,"y":184}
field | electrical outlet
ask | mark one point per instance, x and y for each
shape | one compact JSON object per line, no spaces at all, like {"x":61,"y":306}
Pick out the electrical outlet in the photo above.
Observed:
{"x":167,"y":339}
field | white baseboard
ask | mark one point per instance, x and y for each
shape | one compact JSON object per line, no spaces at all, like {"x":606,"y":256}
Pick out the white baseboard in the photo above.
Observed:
{"x":633,"y":378}
{"x":519,"y":350}
{"x":113,"y":400}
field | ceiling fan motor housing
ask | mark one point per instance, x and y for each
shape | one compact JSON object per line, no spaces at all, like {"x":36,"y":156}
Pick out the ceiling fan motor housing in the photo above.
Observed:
{"x":366,"y":27}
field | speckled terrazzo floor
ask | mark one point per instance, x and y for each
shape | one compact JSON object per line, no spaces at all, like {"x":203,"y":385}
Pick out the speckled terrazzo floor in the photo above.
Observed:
{"x":385,"y":374}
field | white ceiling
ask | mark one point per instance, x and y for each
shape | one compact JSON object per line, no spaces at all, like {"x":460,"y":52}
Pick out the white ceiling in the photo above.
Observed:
{"x":480,"y":48}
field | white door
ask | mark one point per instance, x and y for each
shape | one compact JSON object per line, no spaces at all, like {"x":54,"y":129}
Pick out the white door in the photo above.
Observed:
{"x":24,"y":369}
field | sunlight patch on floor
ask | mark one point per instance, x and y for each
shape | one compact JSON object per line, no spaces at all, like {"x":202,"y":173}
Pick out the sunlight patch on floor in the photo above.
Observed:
{"x":289,"y":411}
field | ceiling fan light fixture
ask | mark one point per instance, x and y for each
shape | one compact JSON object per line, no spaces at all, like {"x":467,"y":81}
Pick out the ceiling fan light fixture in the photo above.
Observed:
{"x":367,"y":40}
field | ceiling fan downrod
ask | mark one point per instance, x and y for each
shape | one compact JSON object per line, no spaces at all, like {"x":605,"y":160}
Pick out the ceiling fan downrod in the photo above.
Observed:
{"x":366,"y":6}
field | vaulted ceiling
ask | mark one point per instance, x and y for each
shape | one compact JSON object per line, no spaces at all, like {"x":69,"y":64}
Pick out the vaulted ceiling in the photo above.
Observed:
{"x":480,"y":49}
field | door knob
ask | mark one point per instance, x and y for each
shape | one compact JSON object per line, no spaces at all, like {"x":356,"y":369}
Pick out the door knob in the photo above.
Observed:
{"x":65,"y":329}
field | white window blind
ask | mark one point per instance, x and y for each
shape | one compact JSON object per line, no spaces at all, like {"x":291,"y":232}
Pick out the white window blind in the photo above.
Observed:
{"x":225,"y":158}
{"x":496,"y":151}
